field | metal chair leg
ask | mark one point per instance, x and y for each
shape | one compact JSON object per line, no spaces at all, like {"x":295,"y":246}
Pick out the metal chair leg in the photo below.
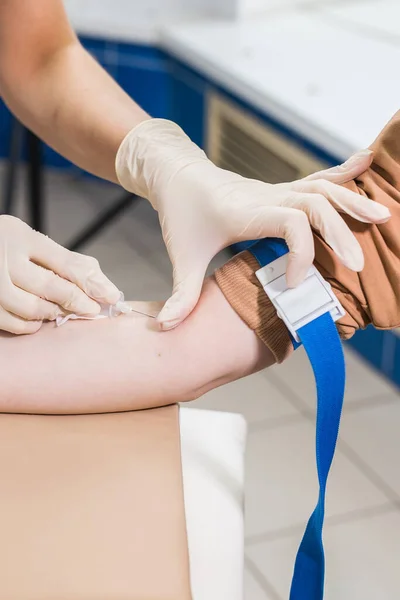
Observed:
{"x":35,"y":183}
{"x":17,"y":131}
{"x":104,"y":219}
{"x":35,"y":190}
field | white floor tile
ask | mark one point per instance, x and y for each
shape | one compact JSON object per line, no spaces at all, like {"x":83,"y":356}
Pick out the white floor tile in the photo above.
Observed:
{"x":362,"y":559}
{"x":252,"y":589}
{"x":135,"y":276}
{"x":66,"y":211}
{"x":374,"y":433}
{"x":281,"y":481}
{"x":255,"y":397}
{"x":141,"y":229}
{"x":362,"y":382}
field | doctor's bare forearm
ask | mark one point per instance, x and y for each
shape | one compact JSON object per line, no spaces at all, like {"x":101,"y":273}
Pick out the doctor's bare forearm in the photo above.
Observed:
{"x":58,"y":90}
{"x":125,"y":363}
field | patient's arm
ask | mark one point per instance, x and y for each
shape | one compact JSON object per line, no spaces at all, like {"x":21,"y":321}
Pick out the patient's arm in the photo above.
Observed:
{"x":125,"y":363}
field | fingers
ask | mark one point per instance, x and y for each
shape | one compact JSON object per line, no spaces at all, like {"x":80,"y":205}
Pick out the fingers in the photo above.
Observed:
{"x":294,"y":223}
{"x":20,"y":312}
{"x":352,"y":168}
{"x":324,"y":218}
{"x":28,"y":306}
{"x":42,"y":283}
{"x":359,"y":207}
{"x":186,"y":292}
{"x":83,"y":271}
{"x":293,"y":226}
{"x":16,"y":325}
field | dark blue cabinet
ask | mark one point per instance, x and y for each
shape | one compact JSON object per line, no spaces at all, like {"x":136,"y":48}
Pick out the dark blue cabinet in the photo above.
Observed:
{"x":188,"y":102}
{"x":5,"y":129}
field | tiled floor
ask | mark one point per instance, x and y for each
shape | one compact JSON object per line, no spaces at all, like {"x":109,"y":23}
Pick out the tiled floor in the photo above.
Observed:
{"x":363,"y":518}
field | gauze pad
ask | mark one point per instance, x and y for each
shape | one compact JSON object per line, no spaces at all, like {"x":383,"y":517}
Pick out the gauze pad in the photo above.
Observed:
{"x":107,"y":311}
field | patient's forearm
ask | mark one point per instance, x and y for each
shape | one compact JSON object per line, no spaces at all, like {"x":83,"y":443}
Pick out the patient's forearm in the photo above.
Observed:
{"x":125,"y":363}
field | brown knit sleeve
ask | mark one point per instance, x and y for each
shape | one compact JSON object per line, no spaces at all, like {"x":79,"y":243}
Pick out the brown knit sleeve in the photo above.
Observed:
{"x":372,"y":296}
{"x":240,"y":286}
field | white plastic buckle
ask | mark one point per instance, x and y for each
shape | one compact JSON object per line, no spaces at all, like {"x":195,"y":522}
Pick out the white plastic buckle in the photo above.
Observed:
{"x":301,"y":305}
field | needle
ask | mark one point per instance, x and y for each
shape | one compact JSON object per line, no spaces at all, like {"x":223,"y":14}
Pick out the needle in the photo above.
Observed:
{"x":140,"y":312}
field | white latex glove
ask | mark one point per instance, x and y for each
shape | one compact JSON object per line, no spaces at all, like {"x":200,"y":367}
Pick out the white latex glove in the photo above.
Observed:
{"x":40,"y":280}
{"x":203,"y":209}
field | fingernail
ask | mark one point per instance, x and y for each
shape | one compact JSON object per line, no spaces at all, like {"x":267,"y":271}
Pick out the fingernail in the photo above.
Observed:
{"x":353,"y":265}
{"x":89,"y":308}
{"x":384,"y":213}
{"x":295,"y":276}
{"x":102,"y":290}
{"x":359,"y":155}
{"x":167,"y":325}
{"x":168,"y":313}
{"x":294,"y":281}
{"x":356,"y":158}
{"x":375,"y":213}
{"x":353,"y":261}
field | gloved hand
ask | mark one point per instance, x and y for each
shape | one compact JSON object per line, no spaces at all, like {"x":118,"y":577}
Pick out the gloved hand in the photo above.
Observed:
{"x":40,"y":280}
{"x":203,"y":209}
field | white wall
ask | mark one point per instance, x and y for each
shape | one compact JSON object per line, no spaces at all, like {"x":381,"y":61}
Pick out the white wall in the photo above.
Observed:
{"x":145,"y":10}
{"x":249,"y":8}
{"x":140,"y":19}
{"x":140,"y":8}
{"x":226,"y":9}
{"x":132,"y":20}
{"x":124,"y":9}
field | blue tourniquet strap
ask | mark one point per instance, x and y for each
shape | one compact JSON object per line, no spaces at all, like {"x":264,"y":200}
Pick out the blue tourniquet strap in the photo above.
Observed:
{"x":324,"y":349}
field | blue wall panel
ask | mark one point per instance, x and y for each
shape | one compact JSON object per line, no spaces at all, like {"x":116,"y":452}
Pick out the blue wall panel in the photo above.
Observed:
{"x":150,"y":89}
{"x":395,"y":374}
{"x":5,"y":129}
{"x":188,"y":101}
{"x":369,"y":343}
{"x":381,"y":349}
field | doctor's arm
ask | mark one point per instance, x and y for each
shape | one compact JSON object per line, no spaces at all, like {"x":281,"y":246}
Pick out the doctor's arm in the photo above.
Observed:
{"x":58,"y":90}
